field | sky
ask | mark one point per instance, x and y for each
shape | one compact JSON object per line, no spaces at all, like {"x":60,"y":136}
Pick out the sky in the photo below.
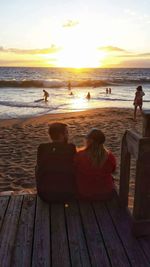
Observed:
{"x":75,"y":33}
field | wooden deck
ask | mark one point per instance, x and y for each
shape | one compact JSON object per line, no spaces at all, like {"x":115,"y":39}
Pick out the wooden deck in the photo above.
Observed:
{"x":32,"y":233}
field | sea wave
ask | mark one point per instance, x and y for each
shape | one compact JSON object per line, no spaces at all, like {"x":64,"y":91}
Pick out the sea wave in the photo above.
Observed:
{"x":113,"y":99}
{"x":43,"y":106}
{"x":32,"y":105}
{"x":22,"y":105}
{"x":116,"y":99}
{"x":74,"y":83}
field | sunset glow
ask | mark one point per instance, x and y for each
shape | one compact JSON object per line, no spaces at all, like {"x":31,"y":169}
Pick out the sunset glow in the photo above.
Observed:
{"x":76,"y":34}
{"x":83,"y":58}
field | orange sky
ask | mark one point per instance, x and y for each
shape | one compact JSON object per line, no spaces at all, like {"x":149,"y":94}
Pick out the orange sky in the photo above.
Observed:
{"x":75,"y":34}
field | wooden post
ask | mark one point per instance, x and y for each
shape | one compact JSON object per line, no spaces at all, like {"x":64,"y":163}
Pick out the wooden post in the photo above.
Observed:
{"x":141,"y":209}
{"x":139,"y":147}
{"x":130,"y":146}
{"x":124,"y":173}
{"x":146,"y":123}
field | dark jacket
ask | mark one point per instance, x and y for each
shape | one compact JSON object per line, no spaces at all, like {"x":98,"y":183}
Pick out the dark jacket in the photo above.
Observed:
{"x":55,"y":175}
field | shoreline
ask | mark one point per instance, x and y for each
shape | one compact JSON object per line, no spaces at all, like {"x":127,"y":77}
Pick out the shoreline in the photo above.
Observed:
{"x":15,"y":121}
{"x":20,"y":139}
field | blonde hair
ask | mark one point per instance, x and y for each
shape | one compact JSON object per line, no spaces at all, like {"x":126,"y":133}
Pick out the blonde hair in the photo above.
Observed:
{"x":96,"y":149}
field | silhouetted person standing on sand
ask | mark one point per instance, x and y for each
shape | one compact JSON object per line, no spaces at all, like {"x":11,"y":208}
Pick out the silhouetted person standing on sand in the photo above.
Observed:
{"x":138,"y":100}
{"x":106,"y":91}
{"x":46,"y":95}
{"x":109,"y":90}
{"x":55,"y":175}
{"x":69,"y":85}
{"x":88,"y":96}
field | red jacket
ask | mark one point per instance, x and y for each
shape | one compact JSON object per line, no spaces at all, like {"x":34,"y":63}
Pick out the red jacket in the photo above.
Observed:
{"x":94,"y":182}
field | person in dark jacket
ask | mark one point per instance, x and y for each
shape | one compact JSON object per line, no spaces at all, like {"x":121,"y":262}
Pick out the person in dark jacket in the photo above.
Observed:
{"x":55,"y":175}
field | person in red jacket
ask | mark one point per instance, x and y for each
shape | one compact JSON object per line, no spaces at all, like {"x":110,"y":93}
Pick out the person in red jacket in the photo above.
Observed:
{"x":94,"y":168}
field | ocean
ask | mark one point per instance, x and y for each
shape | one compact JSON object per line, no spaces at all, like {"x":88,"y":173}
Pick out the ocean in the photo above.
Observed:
{"x":22,"y":87}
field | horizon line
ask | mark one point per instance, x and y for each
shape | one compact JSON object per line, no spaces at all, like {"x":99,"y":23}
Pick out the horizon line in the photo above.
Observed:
{"x":74,"y":67}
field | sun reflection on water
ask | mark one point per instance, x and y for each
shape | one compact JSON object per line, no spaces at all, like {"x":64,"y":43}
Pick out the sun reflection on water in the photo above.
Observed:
{"x":79,"y":103}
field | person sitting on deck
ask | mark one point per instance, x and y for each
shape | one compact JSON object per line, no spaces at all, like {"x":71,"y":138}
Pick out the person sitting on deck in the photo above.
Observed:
{"x":55,"y":175}
{"x":94,"y":168}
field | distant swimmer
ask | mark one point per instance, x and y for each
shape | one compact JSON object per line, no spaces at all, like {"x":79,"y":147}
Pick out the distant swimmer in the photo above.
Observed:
{"x":88,"y":96}
{"x":71,"y":93}
{"x":46,"y":95}
{"x":69,"y":85}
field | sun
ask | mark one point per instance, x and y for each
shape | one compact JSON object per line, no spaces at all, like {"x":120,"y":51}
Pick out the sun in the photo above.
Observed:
{"x":80,"y":58}
{"x":78,"y":48}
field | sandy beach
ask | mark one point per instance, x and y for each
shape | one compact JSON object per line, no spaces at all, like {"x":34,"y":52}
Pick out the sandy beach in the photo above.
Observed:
{"x":20,"y":139}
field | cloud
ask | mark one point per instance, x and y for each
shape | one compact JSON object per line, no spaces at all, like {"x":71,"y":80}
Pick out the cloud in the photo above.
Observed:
{"x":120,"y":52}
{"x":70,"y":23}
{"x":141,"y":63}
{"x":130,"y":12}
{"x":136,"y":55}
{"x":112,"y":49}
{"x":27,"y":62}
{"x":1,"y":49}
{"x":137,"y":17}
{"x":50,"y":50}
{"x":143,"y":55}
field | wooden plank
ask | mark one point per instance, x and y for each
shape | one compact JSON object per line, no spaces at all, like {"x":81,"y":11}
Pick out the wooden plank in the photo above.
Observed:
{"x":145,"y":245}
{"x":98,"y":255}
{"x":3,"y":207}
{"x":41,"y":244}
{"x":112,"y":242}
{"x":77,"y":243}
{"x":141,"y":228}
{"x":146,"y":123}
{"x":9,"y":229}
{"x":132,"y":140}
{"x":23,"y":245}
{"x":123,"y":224}
{"x":124,"y":173}
{"x":60,"y":249}
{"x":141,"y":209}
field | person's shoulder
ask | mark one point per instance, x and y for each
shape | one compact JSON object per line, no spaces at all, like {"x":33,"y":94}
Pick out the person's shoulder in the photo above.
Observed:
{"x":110,"y":155}
{"x":72,"y":147}
{"x":43,"y":146}
{"x":81,"y":152}
{"x":80,"y":155}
